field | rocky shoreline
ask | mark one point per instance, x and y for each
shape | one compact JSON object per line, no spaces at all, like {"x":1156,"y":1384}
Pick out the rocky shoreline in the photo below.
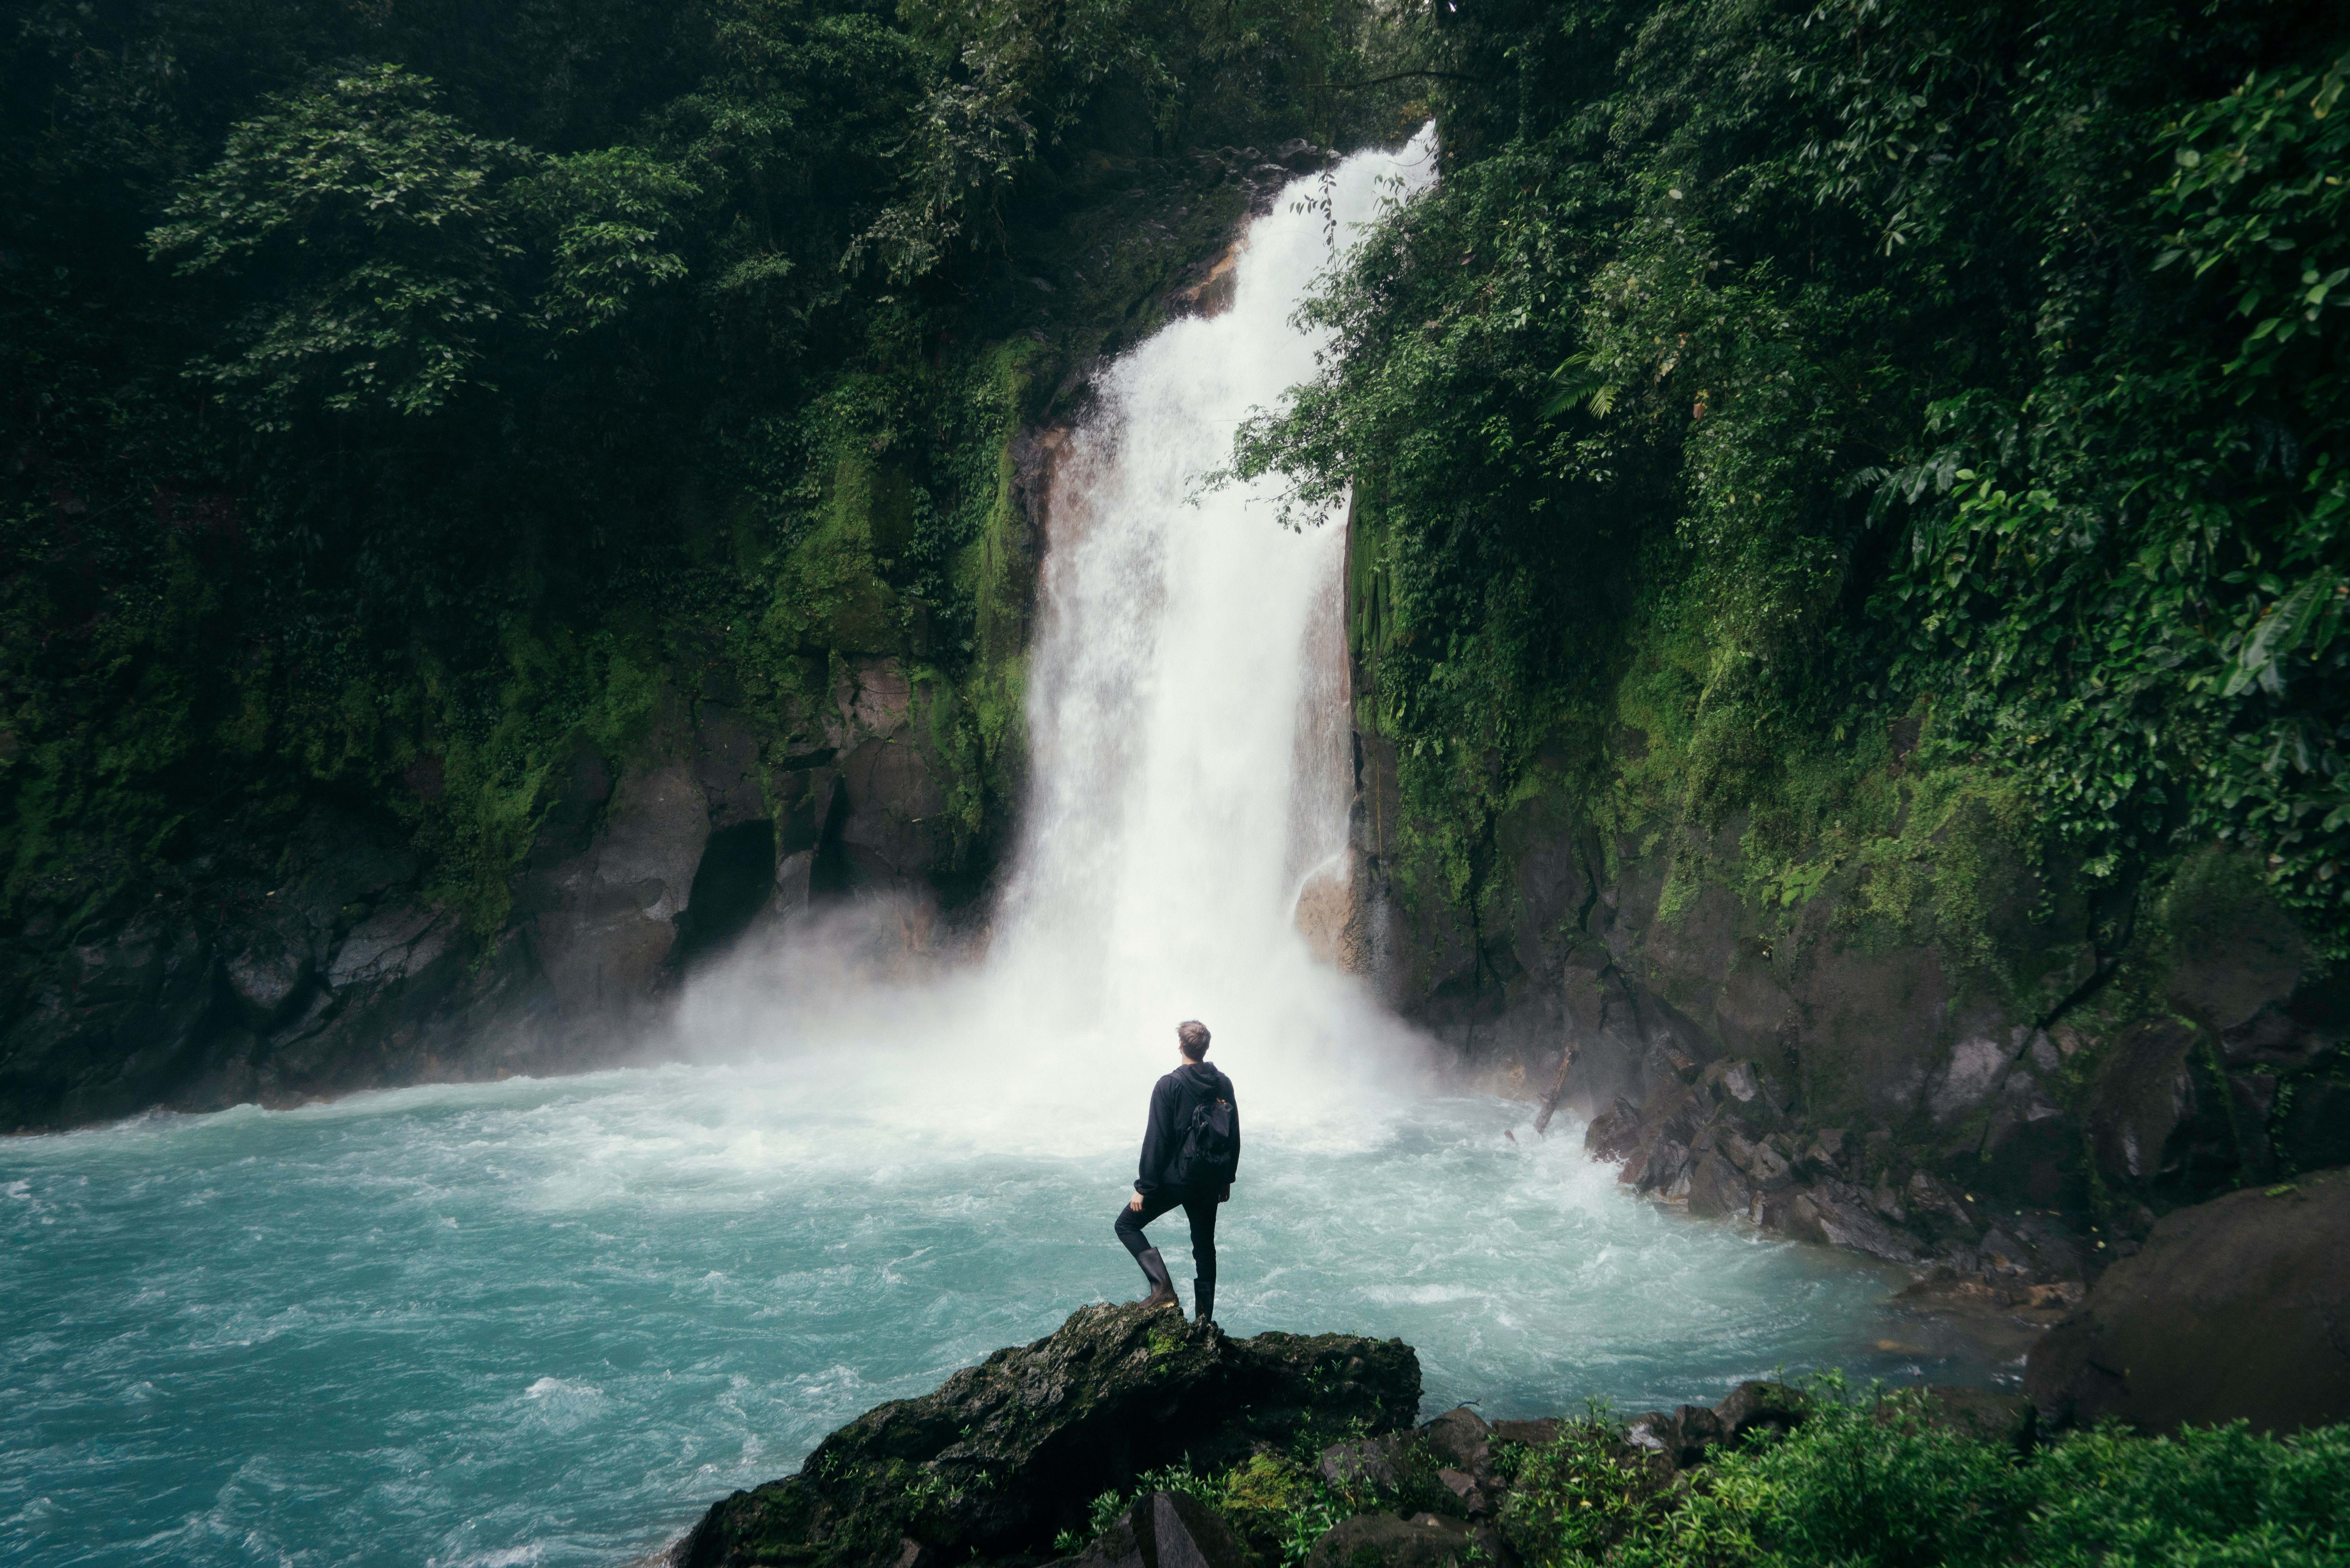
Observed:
{"x":1130,"y":1438}
{"x":1006,"y":1456}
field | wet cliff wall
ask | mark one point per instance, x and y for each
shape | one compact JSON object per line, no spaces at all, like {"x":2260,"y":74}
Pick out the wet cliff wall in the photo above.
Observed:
{"x":1866,"y":1004}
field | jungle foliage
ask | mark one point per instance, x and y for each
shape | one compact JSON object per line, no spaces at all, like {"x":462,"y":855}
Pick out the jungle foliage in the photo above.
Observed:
{"x":1870,"y":1478}
{"x":392,"y":391}
{"x":1876,"y":365}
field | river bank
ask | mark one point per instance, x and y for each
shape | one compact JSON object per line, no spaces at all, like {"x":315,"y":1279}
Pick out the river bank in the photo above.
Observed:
{"x":1130,"y":1436}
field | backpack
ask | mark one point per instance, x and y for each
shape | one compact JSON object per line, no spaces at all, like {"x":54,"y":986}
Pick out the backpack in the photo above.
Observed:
{"x":1210,"y":1156}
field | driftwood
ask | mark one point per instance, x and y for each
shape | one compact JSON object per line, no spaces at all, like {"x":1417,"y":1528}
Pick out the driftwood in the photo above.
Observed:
{"x":1557,"y":1088}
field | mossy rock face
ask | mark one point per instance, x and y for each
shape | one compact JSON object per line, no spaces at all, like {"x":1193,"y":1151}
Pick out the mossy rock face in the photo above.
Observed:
{"x":2233,"y":1310}
{"x":1005,"y":1453}
{"x":1383,"y":1540}
{"x":1166,"y":1530}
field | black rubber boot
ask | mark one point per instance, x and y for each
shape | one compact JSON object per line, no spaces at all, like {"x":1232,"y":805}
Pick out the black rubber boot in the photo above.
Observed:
{"x":1204,"y":1298}
{"x":1162,"y":1285}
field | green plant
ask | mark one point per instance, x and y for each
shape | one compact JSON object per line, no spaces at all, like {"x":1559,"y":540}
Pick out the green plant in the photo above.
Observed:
{"x":1872,"y":1478}
{"x":1770,"y":376}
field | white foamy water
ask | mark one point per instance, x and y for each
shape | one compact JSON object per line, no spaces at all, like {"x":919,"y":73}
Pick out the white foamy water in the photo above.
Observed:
{"x":549,"y":1322}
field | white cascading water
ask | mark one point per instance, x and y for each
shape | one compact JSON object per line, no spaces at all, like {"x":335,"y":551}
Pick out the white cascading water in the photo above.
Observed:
{"x":547,"y":1321}
{"x":1190,"y":765}
{"x":1189,"y":751}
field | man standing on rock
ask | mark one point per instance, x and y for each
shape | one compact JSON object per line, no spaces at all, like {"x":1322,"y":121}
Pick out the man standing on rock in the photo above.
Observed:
{"x":1191,"y":1151}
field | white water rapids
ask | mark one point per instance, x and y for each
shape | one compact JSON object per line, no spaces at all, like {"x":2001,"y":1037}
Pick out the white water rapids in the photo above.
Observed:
{"x":549,"y":1322}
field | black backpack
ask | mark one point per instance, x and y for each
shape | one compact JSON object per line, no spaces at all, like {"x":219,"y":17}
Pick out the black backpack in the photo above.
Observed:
{"x":1210,"y":1153}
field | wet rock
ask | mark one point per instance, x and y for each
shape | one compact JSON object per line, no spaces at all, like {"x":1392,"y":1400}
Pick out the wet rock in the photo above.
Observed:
{"x":114,"y":1025}
{"x":2003,"y":1318}
{"x":1946,"y":1213}
{"x":1463,"y":1485}
{"x":2138,"y":1100}
{"x":2255,"y":1094}
{"x":1005,"y":1453}
{"x":726,"y":766}
{"x":2289,"y":1034}
{"x":1840,"y":1215}
{"x":389,"y":946}
{"x":1967,"y":1080}
{"x":2237,"y":952}
{"x":266,"y":974}
{"x":2030,"y":1148}
{"x":1526,"y":1434}
{"x":1756,"y":1407}
{"x":1459,"y":1436}
{"x":1367,"y":1462}
{"x":604,"y":920}
{"x":1717,"y":1190}
{"x":1681,"y":1437}
{"x":1166,"y":1530}
{"x":1383,"y":1540}
{"x":1614,"y":1135}
{"x":1770,"y":1168}
{"x":891,"y":793}
{"x":1824,"y":1156}
{"x":2233,"y":1310}
{"x":2006,"y":1419}
{"x":1668,"y":1124}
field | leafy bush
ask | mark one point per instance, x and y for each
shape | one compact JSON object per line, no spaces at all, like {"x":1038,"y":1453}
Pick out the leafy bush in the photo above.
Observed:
{"x":1867,"y":1480}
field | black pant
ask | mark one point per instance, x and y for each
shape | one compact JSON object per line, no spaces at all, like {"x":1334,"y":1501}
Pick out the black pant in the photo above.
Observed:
{"x":1198,"y":1208}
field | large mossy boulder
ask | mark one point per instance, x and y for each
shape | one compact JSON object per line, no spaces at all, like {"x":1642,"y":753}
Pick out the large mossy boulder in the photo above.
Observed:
{"x":2235,"y":1309}
{"x":1006,"y":1453}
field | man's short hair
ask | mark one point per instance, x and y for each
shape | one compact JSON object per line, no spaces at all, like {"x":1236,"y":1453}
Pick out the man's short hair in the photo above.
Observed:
{"x":1192,"y":1037}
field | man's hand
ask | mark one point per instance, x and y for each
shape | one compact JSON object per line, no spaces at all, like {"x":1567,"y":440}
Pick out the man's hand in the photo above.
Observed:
{"x":1134,"y":1203}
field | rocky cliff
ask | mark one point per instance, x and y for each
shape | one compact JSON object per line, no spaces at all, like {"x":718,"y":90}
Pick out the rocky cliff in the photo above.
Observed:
{"x":1910,"y":1033}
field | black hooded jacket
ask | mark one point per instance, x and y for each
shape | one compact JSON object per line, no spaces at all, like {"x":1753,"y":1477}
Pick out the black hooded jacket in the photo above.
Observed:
{"x":1171,"y":1103}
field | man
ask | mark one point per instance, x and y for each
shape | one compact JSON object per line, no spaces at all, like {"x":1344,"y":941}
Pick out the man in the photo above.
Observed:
{"x":1190,"y":1150}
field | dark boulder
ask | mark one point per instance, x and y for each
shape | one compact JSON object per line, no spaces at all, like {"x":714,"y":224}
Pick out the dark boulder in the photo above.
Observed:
{"x":1527,"y":1434}
{"x":1006,"y":1453}
{"x":1682,"y":1437}
{"x":1166,"y":1530}
{"x":1983,"y":1414}
{"x":1756,"y":1407}
{"x":1459,"y":1438}
{"x":2234,"y":1309}
{"x":1383,"y":1540}
{"x":1465,"y":1491}
{"x":1838,"y":1214}
{"x":1367,"y":1463}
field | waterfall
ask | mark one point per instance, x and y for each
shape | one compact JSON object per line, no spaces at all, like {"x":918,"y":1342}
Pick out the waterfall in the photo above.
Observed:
{"x":1187,"y":709}
{"x":1190,"y":779}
